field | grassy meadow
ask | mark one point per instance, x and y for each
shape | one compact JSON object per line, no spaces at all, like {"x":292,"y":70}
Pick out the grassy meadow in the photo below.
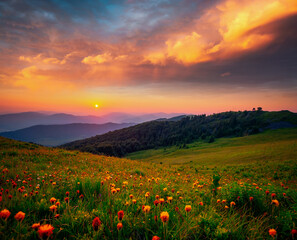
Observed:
{"x":233,"y":188}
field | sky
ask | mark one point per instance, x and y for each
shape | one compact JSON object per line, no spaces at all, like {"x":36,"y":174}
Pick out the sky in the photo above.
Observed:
{"x":145,"y":56}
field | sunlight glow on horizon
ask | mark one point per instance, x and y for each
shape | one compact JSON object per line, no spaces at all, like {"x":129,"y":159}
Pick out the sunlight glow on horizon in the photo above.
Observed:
{"x":212,"y":57}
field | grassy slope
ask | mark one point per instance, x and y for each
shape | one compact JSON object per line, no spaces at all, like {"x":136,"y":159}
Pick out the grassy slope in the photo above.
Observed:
{"x":272,"y":145}
{"x":211,"y":221}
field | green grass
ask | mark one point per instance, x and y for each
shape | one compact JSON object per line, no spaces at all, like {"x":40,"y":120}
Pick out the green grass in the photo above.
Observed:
{"x":35,"y":169}
{"x":273,"y":146}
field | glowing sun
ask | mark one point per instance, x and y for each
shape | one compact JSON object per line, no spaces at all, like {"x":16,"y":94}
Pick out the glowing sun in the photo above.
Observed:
{"x":96,"y":105}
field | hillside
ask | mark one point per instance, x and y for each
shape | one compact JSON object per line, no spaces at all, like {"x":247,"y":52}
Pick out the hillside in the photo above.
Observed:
{"x":70,"y":190}
{"x":162,"y":133}
{"x":272,"y":145}
{"x":53,"y":135}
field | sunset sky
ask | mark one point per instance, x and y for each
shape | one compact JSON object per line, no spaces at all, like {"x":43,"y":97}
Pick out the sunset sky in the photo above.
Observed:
{"x":141,"y":56}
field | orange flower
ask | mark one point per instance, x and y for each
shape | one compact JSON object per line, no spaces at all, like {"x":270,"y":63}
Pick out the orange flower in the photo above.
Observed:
{"x":96,"y":223}
{"x":113,"y":190}
{"x":275,"y":202}
{"x":169,"y":199}
{"x":119,"y":226}
{"x":164,"y":216}
{"x":66,"y":199}
{"x":188,"y":208}
{"x":232,"y":204}
{"x":251,"y":199}
{"x":272,"y":232}
{"x":53,"y":200}
{"x":45,"y":231}
{"x":20,"y":216}
{"x":4,"y":214}
{"x":156,"y":238}
{"x":146,"y":209}
{"x":120,"y":215}
{"x":53,"y":208}
{"x":134,"y":201}
{"x":201,"y":203}
{"x":35,"y":226}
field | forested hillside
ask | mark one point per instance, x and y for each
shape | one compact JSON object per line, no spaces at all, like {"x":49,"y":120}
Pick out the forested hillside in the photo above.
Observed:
{"x":156,"y":134}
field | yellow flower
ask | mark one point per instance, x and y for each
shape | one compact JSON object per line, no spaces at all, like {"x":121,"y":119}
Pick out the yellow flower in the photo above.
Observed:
{"x":164,"y":216}
{"x":146,"y":209}
{"x":188,"y":208}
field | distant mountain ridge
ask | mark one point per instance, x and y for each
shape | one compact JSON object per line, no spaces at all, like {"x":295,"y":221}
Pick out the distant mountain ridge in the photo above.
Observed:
{"x":54,"y":135}
{"x":15,"y":121}
{"x":187,"y":129}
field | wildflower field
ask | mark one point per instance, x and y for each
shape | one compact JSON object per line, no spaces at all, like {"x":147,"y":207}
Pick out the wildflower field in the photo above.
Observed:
{"x":49,"y":193}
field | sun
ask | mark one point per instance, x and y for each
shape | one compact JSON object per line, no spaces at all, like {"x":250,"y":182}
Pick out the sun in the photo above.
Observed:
{"x":96,"y":105}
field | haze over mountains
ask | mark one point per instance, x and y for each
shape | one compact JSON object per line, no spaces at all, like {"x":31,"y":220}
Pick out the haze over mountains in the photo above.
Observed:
{"x":60,"y":128}
{"x":54,"y":135}
{"x":16,"y":121}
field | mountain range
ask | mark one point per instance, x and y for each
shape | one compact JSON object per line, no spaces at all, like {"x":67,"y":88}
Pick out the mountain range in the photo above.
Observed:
{"x":16,"y":121}
{"x":185,"y":130}
{"x":54,"y":135}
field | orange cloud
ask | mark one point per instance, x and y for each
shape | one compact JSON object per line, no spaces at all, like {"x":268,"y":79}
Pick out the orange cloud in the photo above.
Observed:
{"x":234,"y":21}
{"x":40,"y":58}
{"x":102,"y":58}
{"x":188,"y":50}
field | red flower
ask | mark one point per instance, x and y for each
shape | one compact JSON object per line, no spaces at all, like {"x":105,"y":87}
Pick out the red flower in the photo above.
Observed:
{"x":273,"y":195}
{"x":120,"y":215}
{"x":96,"y":223}
{"x":267,"y":192}
{"x":155,"y":238}
{"x":4,"y":214}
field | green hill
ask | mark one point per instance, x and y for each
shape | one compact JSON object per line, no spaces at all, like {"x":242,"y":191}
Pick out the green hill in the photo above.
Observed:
{"x":156,"y":134}
{"x":272,"y":145}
